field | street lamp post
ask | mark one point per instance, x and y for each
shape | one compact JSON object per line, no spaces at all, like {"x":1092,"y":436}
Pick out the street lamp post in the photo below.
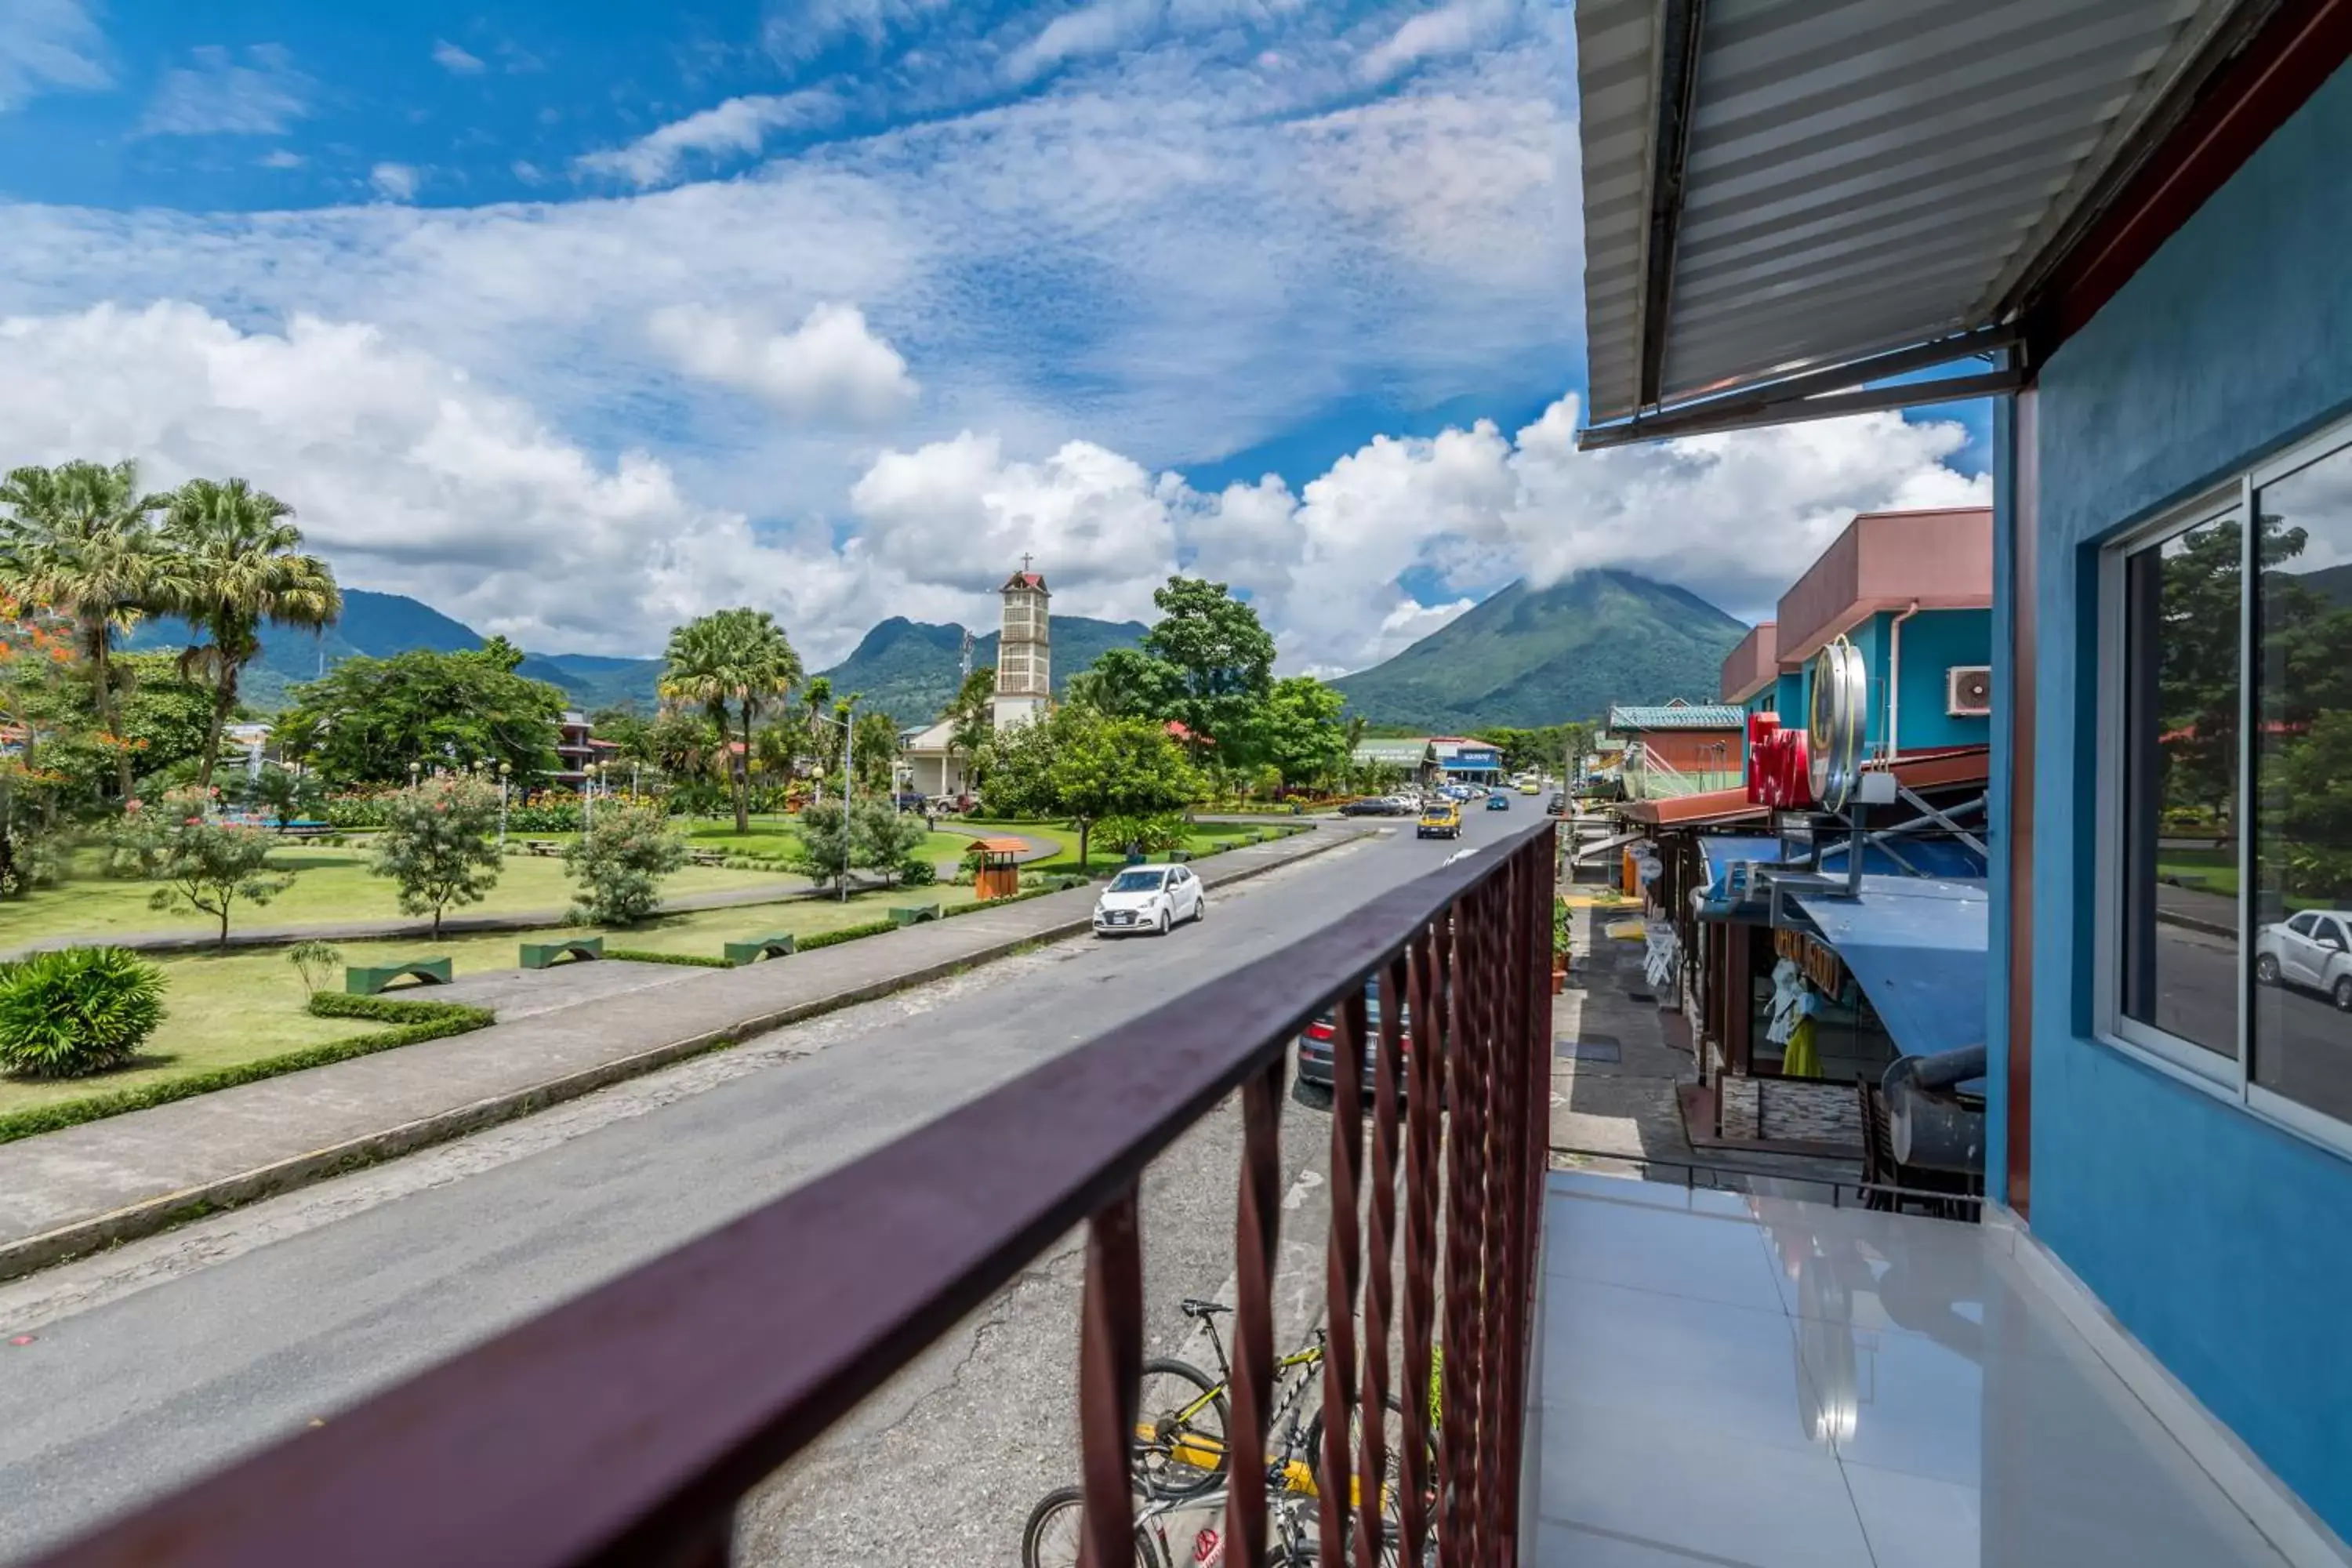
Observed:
{"x":587,"y":796}
{"x":506,"y":771}
{"x":849,"y":787}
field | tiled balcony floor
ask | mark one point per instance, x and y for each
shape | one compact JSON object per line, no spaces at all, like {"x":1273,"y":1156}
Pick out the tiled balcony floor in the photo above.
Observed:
{"x":1742,"y":1381}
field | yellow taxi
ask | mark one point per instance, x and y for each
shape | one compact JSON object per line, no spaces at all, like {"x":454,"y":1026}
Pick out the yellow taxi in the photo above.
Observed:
{"x":1439,"y":819}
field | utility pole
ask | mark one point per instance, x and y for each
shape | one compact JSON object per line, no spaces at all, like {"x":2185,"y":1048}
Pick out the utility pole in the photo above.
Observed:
{"x":849,"y":787}
{"x":966,"y":666}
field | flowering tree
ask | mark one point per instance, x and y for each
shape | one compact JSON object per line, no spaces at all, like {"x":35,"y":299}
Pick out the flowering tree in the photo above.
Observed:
{"x":437,"y":845}
{"x":206,"y":866}
{"x":620,"y":861}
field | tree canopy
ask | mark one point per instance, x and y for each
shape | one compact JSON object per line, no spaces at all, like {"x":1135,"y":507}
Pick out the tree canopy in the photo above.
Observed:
{"x":376,"y":716}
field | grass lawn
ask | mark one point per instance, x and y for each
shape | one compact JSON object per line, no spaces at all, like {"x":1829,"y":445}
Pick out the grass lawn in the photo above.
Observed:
{"x":247,"y":1005}
{"x":330,"y":885}
{"x":2208,"y":870}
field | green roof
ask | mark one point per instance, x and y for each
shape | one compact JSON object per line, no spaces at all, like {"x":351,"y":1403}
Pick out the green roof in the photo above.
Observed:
{"x":1678,"y":716}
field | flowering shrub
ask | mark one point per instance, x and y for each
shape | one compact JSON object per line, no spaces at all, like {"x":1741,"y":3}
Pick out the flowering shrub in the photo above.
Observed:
{"x":437,"y":845}
{"x":620,"y":861}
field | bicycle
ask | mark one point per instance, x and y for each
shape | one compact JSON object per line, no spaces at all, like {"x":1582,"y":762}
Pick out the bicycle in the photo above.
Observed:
{"x":1180,"y":1446}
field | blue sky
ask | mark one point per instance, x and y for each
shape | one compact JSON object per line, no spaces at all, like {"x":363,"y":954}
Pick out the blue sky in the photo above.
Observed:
{"x":576,"y":318}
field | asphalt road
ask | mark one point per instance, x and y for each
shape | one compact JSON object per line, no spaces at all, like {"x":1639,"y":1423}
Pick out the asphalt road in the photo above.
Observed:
{"x":152,"y":1363}
{"x":2302,"y":1044}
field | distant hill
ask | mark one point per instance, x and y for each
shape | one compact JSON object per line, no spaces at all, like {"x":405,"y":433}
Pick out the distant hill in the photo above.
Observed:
{"x":908,"y":669}
{"x":377,"y":626}
{"x":1531,"y":656}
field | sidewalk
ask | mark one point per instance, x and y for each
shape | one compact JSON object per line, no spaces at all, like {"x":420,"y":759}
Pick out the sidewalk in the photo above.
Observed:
{"x":65,"y":1193}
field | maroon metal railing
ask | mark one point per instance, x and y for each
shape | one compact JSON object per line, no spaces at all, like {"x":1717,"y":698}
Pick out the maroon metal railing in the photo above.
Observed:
{"x":625,"y":1426}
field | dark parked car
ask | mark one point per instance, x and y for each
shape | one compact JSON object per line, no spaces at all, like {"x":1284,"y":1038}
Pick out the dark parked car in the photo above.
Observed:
{"x":1321,"y":1037}
{"x":1557,"y":806}
{"x":1370,"y":806}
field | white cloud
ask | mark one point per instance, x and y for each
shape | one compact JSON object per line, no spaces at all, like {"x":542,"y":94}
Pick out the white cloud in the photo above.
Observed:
{"x":395,"y":181}
{"x":46,"y":44}
{"x":830,"y":367}
{"x":456,"y":59}
{"x":280,"y":159}
{"x":1095,"y":29}
{"x":796,"y":30}
{"x":738,"y":125}
{"x":1456,"y":28}
{"x":218,"y":97}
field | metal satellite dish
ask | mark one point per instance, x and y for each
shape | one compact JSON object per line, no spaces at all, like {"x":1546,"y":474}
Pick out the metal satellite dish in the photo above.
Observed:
{"x":1833,"y":734}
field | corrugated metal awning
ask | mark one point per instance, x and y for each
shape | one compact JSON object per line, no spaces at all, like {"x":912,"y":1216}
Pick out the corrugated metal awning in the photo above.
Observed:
{"x":1774,"y":189}
{"x":1917,"y":947}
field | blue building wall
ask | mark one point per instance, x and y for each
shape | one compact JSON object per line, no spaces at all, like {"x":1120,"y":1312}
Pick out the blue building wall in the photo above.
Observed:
{"x":1793,"y":697}
{"x":2224,"y":1243}
{"x":1933,"y":641}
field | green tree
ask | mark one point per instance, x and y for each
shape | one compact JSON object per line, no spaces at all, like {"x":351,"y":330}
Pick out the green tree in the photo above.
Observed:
{"x":206,"y":866}
{"x":438,"y":845}
{"x":972,"y":716}
{"x":1221,"y":654}
{"x":285,"y":796}
{"x":824,"y":847}
{"x":81,"y":538}
{"x":883,"y":838}
{"x":1300,"y":733}
{"x":619,"y":863}
{"x":1128,"y":683}
{"x":1084,"y":766}
{"x":235,"y":565}
{"x":738,"y":658}
{"x":373,"y":717}
{"x":877,"y":752}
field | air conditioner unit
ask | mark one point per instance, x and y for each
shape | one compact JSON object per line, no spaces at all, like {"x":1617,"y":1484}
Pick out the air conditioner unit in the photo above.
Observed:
{"x":1967,"y":691}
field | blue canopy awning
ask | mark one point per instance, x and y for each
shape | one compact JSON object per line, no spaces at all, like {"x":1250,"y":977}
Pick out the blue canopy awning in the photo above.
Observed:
{"x":1926,"y":856}
{"x":1916,"y":946}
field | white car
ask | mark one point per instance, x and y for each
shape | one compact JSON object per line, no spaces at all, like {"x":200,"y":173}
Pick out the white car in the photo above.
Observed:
{"x":1149,"y":897}
{"x":2313,"y":949}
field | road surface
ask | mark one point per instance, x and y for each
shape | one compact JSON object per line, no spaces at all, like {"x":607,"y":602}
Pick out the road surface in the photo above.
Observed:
{"x":152,"y":1363}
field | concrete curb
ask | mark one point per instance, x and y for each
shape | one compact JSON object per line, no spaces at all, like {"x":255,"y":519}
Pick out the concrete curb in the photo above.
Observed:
{"x":61,"y":1244}
{"x":2191,"y":923}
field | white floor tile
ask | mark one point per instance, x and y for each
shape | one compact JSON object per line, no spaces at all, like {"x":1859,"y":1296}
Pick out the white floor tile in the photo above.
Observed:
{"x":1611,"y":1352}
{"x":1678,"y":1487}
{"x":1915,"y":1522}
{"x":1671,"y":1252}
{"x":1652,"y":1195}
{"x":1569,"y":1546}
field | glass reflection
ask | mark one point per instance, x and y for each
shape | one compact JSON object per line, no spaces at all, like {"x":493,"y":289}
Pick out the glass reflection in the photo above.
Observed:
{"x":2303,"y":773}
{"x":2183,"y":681}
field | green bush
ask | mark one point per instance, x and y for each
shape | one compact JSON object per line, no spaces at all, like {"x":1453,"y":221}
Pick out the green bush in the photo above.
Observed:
{"x":543,"y":818}
{"x":79,"y":1011}
{"x":695,"y":960}
{"x":847,"y":934}
{"x":916,"y":872}
{"x":350,"y":811}
{"x":397,"y":1010}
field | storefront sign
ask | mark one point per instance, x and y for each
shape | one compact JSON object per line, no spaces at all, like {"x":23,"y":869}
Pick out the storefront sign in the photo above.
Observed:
{"x":1814,"y":957}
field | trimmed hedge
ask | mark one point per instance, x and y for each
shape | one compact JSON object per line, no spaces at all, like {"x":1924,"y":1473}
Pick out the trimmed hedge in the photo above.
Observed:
{"x":415,"y":1022}
{"x":694,"y":959}
{"x":847,"y":934}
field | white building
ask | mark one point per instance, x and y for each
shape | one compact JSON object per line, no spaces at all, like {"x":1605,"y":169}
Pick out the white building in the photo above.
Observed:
{"x":1025,"y":687}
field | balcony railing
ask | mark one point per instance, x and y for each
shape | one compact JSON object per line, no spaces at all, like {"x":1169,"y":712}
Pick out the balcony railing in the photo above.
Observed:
{"x":624,"y":1425}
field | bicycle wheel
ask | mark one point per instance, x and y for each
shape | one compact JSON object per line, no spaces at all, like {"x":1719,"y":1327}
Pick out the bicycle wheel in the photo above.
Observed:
{"x":1392,"y":1477}
{"x":1050,"y":1539}
{"x":1180,"y":1429}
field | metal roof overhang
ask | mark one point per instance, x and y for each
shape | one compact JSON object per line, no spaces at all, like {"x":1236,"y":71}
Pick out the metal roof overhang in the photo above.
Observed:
{"x":1917,"y":946}
{"x":1787,"y":203}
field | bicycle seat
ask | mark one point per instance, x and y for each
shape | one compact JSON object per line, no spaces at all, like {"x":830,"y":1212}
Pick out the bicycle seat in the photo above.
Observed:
{"x":1194,"y":1307}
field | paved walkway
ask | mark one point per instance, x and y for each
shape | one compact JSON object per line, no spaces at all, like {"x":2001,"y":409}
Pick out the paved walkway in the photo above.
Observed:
{"x":64,"y":1192}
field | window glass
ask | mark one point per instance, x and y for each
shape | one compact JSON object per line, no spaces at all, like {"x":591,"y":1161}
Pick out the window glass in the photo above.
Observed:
{"x":2301,"y":925}
{"x":2303,"y":784}
{"x":2182,"y":629}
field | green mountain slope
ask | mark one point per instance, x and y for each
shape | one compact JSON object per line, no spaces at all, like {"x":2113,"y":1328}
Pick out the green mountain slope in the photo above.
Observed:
{"x":908,"y":669}
{"x":1531,"y":656}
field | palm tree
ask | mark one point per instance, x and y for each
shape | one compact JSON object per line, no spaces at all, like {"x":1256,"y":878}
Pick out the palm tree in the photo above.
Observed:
{"x":235,"y":565}
{"x":739,"y":657}
{"x":80,"y":539}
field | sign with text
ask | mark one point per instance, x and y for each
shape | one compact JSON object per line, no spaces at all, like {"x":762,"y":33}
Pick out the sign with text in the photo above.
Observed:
{"x":1812,"y":956}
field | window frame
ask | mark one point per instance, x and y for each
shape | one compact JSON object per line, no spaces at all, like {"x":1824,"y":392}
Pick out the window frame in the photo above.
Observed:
{"x":2226,"y":1079}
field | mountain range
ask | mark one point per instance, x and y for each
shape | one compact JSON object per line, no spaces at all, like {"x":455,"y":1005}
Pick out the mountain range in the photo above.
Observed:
{"x":1525,"y":657}
{"x":1531,"y":656}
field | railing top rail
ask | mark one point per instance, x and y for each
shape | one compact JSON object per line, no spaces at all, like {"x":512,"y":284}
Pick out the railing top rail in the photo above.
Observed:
{"x":629,"y":1418}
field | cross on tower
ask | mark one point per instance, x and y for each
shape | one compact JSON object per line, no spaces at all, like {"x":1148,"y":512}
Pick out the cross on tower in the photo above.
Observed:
{"x":1024,"y":562}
